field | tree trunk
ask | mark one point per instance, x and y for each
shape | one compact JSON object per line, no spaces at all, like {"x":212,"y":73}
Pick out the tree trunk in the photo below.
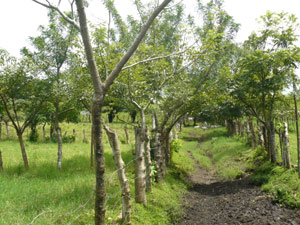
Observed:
{"x":297,"y":128}
{"x":84,"y":140}
{"x":266,"y":142}
{"x":271,"y":140}
{"x":51,"y":133}
{"x":7,"y":129}
{"x":140,"y":181}
{"x":126,"y":134}
{"x":0,"y":130}
{"x":133,"y":116}
{"x":99,"y":160}
{"x":59,"y":136}
{"x":59,"y":146}
{"x":92,"y":148}
{"x":124,"y":182}
{"x":74,"y":134}
{"x":260,"y":135}
{"x":285,"y":147}
{"x":44,"y":133}
{"x":111,"y":117}
{"x":253,"y":135}
{"x":166,"y":147}
{"x":23,"y":151}
{"x":148,"y":162}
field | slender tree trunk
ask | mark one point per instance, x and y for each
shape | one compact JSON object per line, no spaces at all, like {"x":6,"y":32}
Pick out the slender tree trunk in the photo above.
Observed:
{"x":266,"y":142}
{"x":23,"y":151}
{"x":297,"y":128}
{"x":59,"y":151}
{"x":51,"y":133}
{"x":271,"y":139}
{"x":124,"y":182}
{"x":159,"y":162}
{"x":44,"y":133}
{"x":140,"y":181}
{"x":7,"y":129}
{"x":0,"y":130}
{"x":84,"y":137}
{"x":285,"y":146}
{"x":126,"y":134}
{"x":148,"y":162}
{"x":59,"y":137}
{"x":74,"y":134}
{"x":253,"y":135}
{"x":92,"y":147}
{"x":260,"y":135}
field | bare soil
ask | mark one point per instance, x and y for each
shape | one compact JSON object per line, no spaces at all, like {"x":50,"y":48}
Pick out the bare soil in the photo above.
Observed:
{"x":212,"y":200}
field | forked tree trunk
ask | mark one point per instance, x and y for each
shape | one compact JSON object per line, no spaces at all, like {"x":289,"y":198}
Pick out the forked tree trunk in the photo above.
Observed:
{"x":148,"y":162}
{"x":23,"y":151}
{"x":140,"y":170}
{"x":124,"y":182}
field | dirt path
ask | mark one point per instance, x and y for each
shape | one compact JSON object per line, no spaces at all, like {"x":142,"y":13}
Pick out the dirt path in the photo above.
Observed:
{"x":215,"y":201}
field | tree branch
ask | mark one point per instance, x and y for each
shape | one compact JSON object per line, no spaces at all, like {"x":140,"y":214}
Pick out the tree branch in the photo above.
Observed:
{"x":118,"y":68}
{"x":50,"y":6}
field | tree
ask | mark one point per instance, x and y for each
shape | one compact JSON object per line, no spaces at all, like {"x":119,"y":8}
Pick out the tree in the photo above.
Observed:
{"x":100,"y":90}
{"x":53,"y":48}
{"x":264,"y":70}
{"x":22,"y":93}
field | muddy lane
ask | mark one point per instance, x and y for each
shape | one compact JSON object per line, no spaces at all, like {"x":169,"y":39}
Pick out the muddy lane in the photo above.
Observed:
{"x":215,"y":201}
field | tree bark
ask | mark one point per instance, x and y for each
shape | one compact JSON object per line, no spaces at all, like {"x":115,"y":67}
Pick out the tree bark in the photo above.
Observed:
{"x":297,"y":128}
{"x":124,"y":182}
{"x":0,"y":130}
{"x":23,"y":151}
{"x":148,"y":162}
{"x":59,"y":137}
{"x":271,"y":141}
{"x":285,"y":147}
{"x":253,"y":135}
{"x":140,"y":181}
{"x":44,"y":133}
{"x":126,"y":134}
{"x":7,"y":129}
{"x":92,"y":147}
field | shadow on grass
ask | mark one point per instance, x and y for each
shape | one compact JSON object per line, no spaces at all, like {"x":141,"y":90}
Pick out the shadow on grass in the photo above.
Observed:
{"x":223,"y":187}
{"x":205,"y":135}
{"x":74,"y":166}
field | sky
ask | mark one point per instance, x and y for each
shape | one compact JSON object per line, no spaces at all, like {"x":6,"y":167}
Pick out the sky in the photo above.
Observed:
{"x":20,"y":19}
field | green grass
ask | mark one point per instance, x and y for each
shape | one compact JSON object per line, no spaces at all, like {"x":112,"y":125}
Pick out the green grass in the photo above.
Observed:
{"x":214,"y":149}
{"x":67,"y":196}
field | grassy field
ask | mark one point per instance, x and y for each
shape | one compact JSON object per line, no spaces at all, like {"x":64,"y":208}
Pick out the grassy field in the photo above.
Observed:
{"x":67,"y":196}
